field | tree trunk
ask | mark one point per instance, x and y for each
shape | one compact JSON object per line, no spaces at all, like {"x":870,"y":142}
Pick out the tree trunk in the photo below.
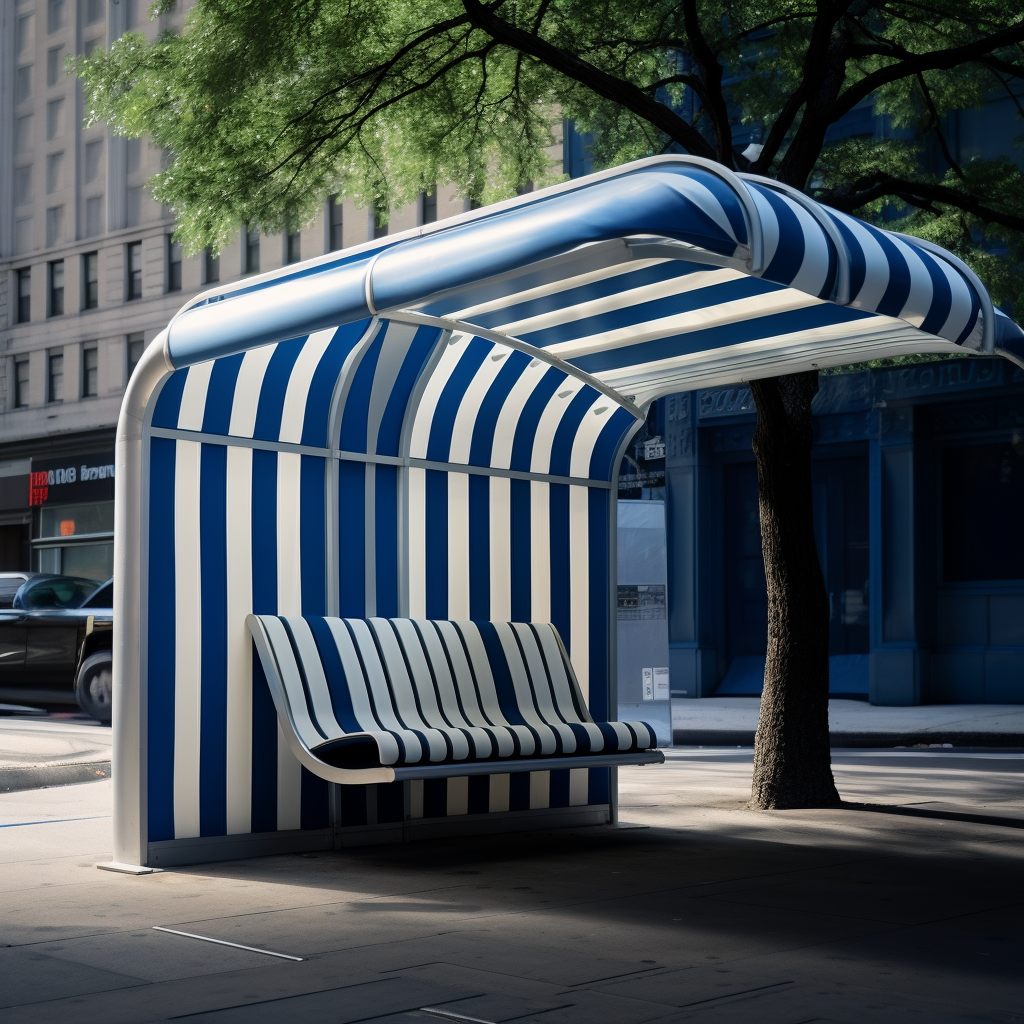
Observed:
{"x":792,"y":765}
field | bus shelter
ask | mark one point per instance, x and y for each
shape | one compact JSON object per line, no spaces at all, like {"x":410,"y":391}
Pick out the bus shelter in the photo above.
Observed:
{"x":430,"y":426}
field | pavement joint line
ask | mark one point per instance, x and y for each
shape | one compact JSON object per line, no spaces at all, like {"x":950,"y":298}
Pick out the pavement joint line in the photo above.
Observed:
{"x":452,"y":1015}
{"x":52,"y":821}
{"x":224,"y":942}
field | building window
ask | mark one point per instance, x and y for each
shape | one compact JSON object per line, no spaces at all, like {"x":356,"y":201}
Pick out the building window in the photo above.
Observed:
{"x":54,"y":65}
{"x":982,"y":483}
{"x":20,"y":383}
{"x":93,"y":216}
{"x":252,"y":251}
{"x":55,"y":376}
{"x":23,"y":234}
{"x":24,"y":295}
{"x":54,"y":225}
{"x":24,"y":33}
{"x":136,"y":346}
{"x":93,"y":11}
{"x":211,"y":267}
{"x":293,"y":247}
{"x":133,"y":284}
{"x":90,"y":280}
{"x":23,"y":84}
{"x":428,"y":206}
{"x":380,"y":219}
{"x":56,"y":288}
{"x":54,"y":118}
{"x":22,"y":185}
{"x":334,"y":224}
{"x":133,"y":206}
{"x":54,"y":15}
{"x":23,"y":134}
{"x":90,"y":371}
{"x":173,"y":265}
{"x":93,"y":158}
{"x":54,"y":172}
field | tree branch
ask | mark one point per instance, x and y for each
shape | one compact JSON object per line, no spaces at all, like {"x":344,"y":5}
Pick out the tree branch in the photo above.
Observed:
{"x":937,"y":125}
{"x":920,"y":194}
{"x":933,"y":60}
{"x":707,"y":59}
{"x":611,"y":88}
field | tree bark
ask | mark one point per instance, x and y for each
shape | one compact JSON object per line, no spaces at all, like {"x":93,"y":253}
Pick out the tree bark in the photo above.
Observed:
{"x":792,"y":766}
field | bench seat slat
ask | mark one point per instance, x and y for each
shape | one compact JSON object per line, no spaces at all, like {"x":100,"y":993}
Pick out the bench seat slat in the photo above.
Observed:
{"x":373,"y":700}
{"x":481,"y":666}
{"x":484,"y":744}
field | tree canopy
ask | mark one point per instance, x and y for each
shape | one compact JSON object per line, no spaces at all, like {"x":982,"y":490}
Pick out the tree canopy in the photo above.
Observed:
{"x":266,"y":107}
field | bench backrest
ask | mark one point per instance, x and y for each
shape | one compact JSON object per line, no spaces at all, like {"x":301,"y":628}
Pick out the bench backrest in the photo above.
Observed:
{"x":434,"y":690}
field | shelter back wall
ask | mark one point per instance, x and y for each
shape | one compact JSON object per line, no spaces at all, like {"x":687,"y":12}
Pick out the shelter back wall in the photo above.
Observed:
{"x":461,"y":480}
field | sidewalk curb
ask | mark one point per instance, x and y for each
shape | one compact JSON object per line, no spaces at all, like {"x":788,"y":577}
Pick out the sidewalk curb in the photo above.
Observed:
{"x":745,"y":738}
{"x":17,"y":778}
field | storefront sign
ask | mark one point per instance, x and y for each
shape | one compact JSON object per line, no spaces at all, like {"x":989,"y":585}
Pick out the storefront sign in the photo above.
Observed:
{"x":72,"y":478}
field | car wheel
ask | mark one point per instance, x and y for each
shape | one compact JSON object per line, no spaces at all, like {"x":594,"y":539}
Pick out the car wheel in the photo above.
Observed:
{"x":94,"y":686}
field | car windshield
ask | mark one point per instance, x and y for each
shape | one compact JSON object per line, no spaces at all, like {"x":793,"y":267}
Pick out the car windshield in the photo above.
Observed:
{"x":68,"y":592}
{"x":103,"y":597}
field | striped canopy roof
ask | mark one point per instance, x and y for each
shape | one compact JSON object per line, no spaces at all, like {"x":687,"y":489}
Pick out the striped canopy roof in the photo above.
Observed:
{"x":665,"y":275}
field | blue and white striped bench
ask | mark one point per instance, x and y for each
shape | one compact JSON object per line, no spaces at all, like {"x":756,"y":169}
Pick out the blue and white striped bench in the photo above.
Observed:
{"x":379,"y":700}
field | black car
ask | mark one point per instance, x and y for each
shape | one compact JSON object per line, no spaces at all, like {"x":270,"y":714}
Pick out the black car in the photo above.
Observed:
{"x":10,"y":584}
{"x":55,"y":644}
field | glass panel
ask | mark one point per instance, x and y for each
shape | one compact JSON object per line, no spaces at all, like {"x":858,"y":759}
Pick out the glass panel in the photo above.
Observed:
{"x":57,"y":288}
{"x":173,"y":265}
{"x":211,"y":267}
{"x":23,"y":134}
{"x":93,"y":561}
{"x":54,"y":65}
{"x":72,"y":520}
{"x":54,"y":224}
{"x":336,"y":223}
{"x":54,"y":172}
{"x":23,"y":84}
{"x":90,"y":273}
{"x":65,"y":593}
{"x":982,"y":483}
{"x":24,"y":295}
{"x":49,"y":560}
{"x":136,"y":346}
{"x":21,"y":383}
{"x":94,"y":216}
{"x":23,"y":185}
{"x":90,"y":373}
{"x":54,"y":118}
{"x":56,"y":378}
{"x":93,"y":157}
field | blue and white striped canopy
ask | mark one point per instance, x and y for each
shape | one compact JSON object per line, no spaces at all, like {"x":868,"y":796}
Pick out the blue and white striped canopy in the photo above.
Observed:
{"x":430,"y":425}
{"x":664,"y":275}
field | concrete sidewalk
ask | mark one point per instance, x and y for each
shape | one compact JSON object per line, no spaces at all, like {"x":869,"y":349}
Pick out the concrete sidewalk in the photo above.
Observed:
{"x":706,"y":912}
{"x":53,"y":750}
{"x":732,"y":721}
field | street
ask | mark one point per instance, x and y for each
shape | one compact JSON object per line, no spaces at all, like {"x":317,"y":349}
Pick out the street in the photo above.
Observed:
{"x":711,"y":913}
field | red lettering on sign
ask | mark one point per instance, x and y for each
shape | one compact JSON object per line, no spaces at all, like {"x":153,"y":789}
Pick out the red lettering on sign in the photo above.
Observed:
{"x":38,"y":488}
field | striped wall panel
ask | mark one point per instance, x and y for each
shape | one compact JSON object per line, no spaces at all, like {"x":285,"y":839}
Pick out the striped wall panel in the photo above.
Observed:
{"x":376,"y":442}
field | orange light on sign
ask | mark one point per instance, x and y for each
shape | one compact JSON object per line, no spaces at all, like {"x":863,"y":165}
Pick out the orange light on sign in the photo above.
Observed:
{"x":67,"y":527}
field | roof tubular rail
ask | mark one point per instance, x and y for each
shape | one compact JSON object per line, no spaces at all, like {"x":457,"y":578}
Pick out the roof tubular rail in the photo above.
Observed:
{"x":988,"y":313}
{"x":842,"y":296}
